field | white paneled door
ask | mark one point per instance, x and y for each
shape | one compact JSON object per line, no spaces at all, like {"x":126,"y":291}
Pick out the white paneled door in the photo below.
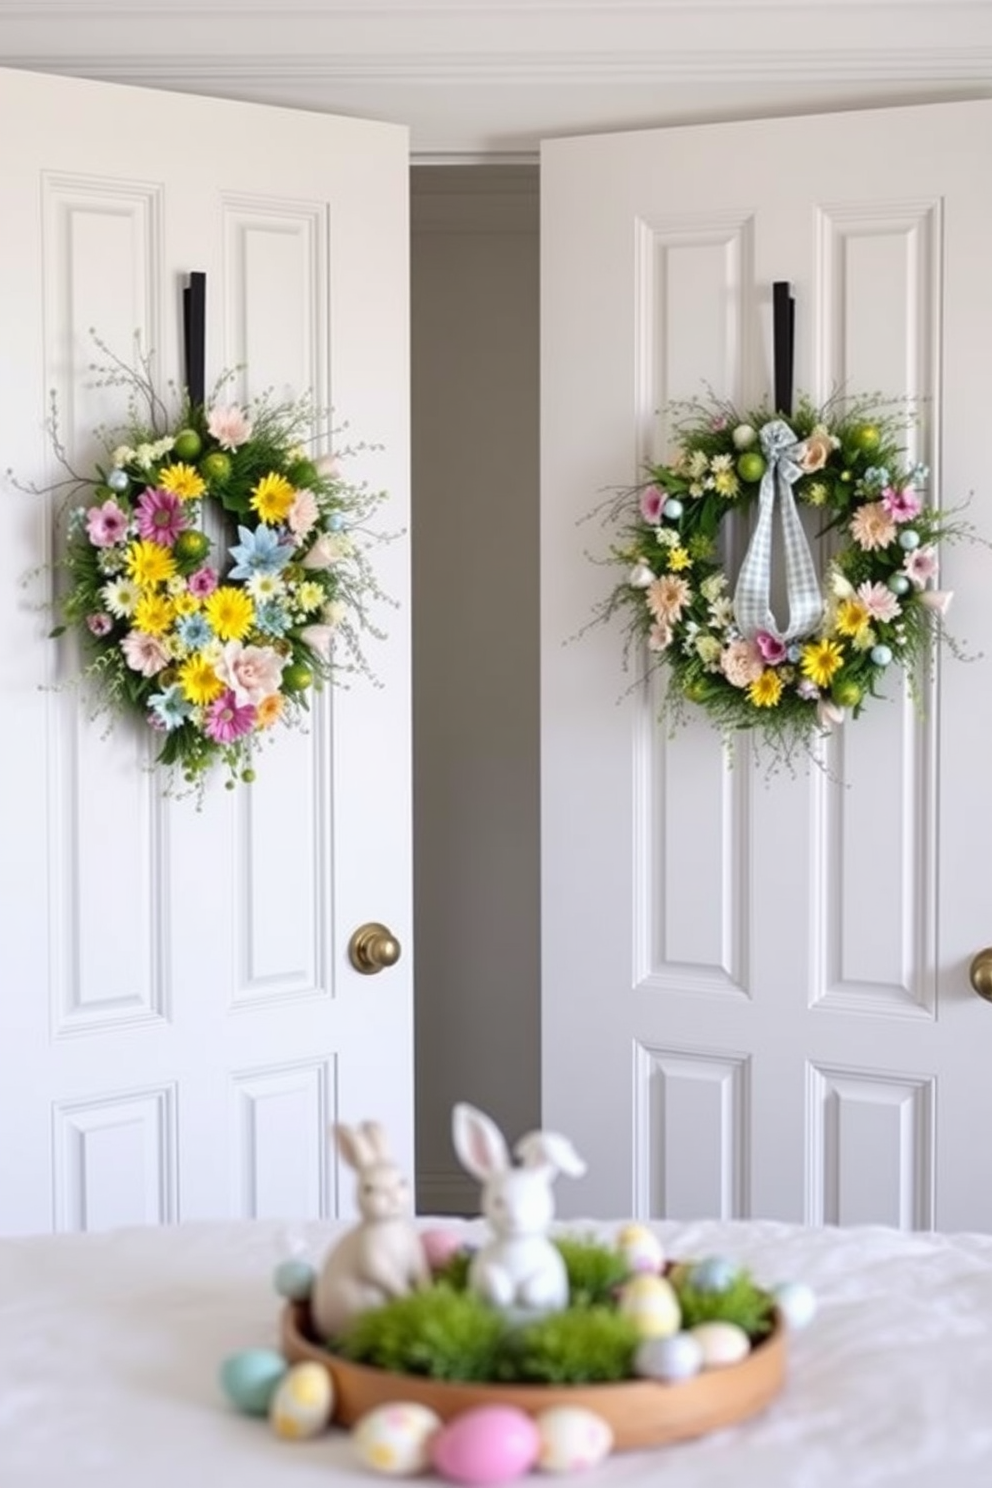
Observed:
{"x":756,"y":993}
{"x":178,"y":1016}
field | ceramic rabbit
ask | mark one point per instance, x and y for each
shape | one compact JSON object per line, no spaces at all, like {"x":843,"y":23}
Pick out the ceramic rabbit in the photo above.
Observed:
{"x":518,"y":1269}
{"x":382,"y":1256}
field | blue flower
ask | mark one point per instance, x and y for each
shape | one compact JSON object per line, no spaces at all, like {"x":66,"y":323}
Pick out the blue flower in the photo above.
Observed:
{"x":194,"y":631}
{"x":170,"y":708}
{"x":258,"y":552}
{"x":271,"y":619}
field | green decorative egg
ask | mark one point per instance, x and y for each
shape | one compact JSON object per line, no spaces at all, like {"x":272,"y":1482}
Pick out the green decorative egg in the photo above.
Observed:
{"x":250,"y":1378}
{"x":294,"y":1279}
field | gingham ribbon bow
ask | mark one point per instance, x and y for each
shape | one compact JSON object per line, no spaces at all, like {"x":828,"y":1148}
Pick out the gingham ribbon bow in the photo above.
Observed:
{"x":752,"y":597}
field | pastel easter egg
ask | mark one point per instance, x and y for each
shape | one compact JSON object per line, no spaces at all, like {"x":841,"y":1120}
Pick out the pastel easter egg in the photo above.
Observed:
{"x":249,"y":1379}
{"x":118,"y":480}
{"x":714,"y":1274}
{"x":440,"y":1246}
{"x":796,"y":1302}
{"x":640,"y":1248}
{"x":721,"y":1343}
{"x":294,"y":1279}
{"x":489,"y":1444}
{"x":572,"y":1438}
{"x":651,"y":1305}
{"x":396,"y":1439}
{"x":881,"y":655}
{"x":909,"y":539}
{"x":676,"y":1358}
{"x":303,"y":1403}
{"x":898,"y":583}
{"x":743,"y":436}
{"x":672,"y":509}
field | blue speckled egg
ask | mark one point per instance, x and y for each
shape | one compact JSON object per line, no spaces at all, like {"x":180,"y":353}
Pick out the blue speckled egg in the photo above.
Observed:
{"x":714,"y":1274}
{"x":118,"y":480}
{"x":909,"y":539}
{"x":294,"y":1279}
{"x":796,"y":1302}
{"x":250,"y":1379}
{"x":899,"y":584}
{"x":881,"y":655}
{"x":672,"y":509}
{"x":675,"y":1358}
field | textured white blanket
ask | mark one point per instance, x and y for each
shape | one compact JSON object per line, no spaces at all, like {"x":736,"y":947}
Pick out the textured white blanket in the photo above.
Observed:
{"x":109,"y":1347}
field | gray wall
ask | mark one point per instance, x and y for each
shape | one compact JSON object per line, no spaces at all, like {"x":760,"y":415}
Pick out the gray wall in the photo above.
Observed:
{"x":474,"y":290}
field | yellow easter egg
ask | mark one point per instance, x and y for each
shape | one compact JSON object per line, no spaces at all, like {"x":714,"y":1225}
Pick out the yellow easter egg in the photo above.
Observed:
{"x":395,"y":1440}
{"x":651,"y":1305}
{"x":303,"y":1403}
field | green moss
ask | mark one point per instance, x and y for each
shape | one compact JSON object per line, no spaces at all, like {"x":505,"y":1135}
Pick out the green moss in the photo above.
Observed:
{"x":594,"y":1271}
{"x":742,"y":1303}
{"x":582,"y":1346}
{"x":439,"y":1332}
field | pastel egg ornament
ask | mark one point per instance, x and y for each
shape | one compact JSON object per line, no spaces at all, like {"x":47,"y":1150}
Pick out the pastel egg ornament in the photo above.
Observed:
{"x":722,"y":1344}
{"x":909,"y":539}
{"x":651,"y":1305}
{"x":796,"y":1302}
{"x":672,"y":509}
{"x":488,"y":1444}
{"x":572,"y":1439}
{"x":641,"y":1249}
{"x":294,"y":1279}
{"x":303,"y":1403}
{"x":395,"y":1440}
{"x":249,"y":1379}
{"x":713,"y":1274}
{"x":678,"y":1357}
{"x":118,"y":480}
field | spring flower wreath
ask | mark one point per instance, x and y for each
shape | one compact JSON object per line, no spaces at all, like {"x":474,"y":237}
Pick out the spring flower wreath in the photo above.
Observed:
{"x":878,"y":608}
{"x":213,"y":642}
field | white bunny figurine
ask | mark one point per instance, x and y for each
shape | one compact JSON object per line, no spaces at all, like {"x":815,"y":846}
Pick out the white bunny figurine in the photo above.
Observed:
{"x":519,"y":1268}
{"x":382,"y":1256}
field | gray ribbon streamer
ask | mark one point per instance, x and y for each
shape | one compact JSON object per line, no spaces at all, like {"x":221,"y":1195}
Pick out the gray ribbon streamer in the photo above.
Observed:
{"x":752,"y":597}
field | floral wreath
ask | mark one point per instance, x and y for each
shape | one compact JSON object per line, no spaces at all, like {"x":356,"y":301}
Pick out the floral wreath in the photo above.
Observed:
{"x":726,"y":652}
{"x":212,"y":648}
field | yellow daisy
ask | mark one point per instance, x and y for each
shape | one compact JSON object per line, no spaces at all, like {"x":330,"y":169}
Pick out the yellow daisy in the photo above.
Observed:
{"x":272,"y":498}
{"x":725,"y":483}
{"x":268,"y":709}
{"x":154,"y":614}
{"x":852,"y":617}
{"x":309,"y":596}
{"x":765,"y":691}
{"x":185,"y":604}
{"x":230,"y":612}
{"x":183,"y":481}
{"x":198,"y":680}
{"x":678,"y":558}
{"x":821,"y":660}
{"x":149,"y":563}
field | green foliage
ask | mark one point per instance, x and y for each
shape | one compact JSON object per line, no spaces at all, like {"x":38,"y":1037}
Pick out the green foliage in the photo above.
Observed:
{"x":585,"y":1345}
{"x":439,"y":1332}
{"x":454,"y":1273}
{"x":742,"y":1303}
{"x":594,"y":1271}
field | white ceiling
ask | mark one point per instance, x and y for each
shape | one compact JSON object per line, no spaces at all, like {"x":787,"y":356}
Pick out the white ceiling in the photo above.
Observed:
{"x":473,"y":77}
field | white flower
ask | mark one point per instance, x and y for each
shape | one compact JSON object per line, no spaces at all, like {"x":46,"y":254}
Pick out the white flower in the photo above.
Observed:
{"x":668,"y":537}
{"x":697,"y":464}
{"x":828,"y":713}
{"x":163,"y":446}
{"x":328,"y":549}
{"x":721,"y":462}
{"x":176,"y":586}
{"x":840,"y":586}
{"x":334,"y":612}
{"x":120,"y":597}
{"x":938,"y":600}
{"x":263,"y":586}
{"x":714,"y":586}
{"x":328,"y":467}
{"x":640,"y":576}
{"x":145,"y":455}
{"x":722,"y":612}
{"x":319,"y":638}
{"x":708,"y":650}
{"x":122,"y":455}
{"x":743,"y":437}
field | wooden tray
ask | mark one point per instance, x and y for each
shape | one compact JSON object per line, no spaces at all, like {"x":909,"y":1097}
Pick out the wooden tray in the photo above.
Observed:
{"x":641,"y":1413}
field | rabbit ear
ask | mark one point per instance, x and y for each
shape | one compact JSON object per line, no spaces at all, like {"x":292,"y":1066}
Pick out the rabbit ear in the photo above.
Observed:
{"x":353,"y":1145}
{"x":539,"y":1149}
{"x":478,"y":1142}
{"x":374,"y":1135}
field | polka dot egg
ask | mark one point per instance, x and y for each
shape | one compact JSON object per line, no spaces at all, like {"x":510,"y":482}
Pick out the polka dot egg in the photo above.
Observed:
{"x":640,"y":1248}
{"x":571,"y":1439}
{"x":651,"y":1305}
{"x":303,"y":1402}
{"x":396,"y":1439}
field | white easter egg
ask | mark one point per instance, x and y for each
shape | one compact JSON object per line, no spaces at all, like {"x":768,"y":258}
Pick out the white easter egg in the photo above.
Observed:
{"x":303,"y":1403}
{"x":652,"y":1306}
{"x":395,"y":1439}
{"x":796,"y":1302}
{"x":676,"y":1358}
{"x":721,"y":1343}
{"x":572,"y":1438}
{"x":640,"y":1248}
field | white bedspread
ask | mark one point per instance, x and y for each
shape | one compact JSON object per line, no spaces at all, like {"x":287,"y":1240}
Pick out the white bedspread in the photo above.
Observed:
{"x":109,"y":1347}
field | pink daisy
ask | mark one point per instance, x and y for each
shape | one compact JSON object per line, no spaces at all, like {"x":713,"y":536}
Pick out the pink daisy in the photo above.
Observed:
{"x":872,"y":527}
{"x":106,"y":524}
{"x":879,"y":601}
{"x":99,"y":623}
{"x":921,"y":566}
{"x":230,"y":426}
{"x":902,"y":505}
{"x":303,"y":514}
{"x":652,"y":504}
{"x":202,"y":583}
{"x":160,"y":516}
{"x":227,"y":720}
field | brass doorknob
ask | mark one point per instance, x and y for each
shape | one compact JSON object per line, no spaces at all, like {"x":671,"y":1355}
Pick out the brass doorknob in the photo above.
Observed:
{"x":980,"y":973}
{"x":372,"y":948}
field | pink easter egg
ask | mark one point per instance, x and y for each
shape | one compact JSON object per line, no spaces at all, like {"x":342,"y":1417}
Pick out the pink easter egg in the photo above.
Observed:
{"x":490,"y":1444}
{"x":439,"y":1246}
